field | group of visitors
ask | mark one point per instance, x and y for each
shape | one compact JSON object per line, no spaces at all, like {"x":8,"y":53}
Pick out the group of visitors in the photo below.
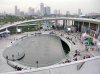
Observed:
{"x":71,"y":40}
{"x":67,"y":61}
{"x":18,"y":68}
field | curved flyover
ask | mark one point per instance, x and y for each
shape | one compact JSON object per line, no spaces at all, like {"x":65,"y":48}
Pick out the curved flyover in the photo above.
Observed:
{"x":95,"y":21}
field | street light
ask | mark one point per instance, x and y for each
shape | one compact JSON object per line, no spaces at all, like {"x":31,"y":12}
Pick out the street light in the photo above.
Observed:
{"x":37,"y":63}
{"x":7,"y":58}
{"x":13,"y":57}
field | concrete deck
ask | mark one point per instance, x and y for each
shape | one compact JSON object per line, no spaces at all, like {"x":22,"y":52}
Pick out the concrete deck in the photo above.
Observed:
{"x":6,"y":42}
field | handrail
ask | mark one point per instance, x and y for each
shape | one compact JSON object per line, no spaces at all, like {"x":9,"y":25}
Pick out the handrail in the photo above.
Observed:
{"x":55,"y":66}
{"x":80,"y":65}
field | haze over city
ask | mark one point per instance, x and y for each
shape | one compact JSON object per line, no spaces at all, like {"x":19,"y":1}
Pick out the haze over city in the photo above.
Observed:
{"x":87,"y":6}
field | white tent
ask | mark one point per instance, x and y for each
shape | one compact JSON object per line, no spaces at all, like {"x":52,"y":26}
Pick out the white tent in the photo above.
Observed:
{"x":7,"y":31}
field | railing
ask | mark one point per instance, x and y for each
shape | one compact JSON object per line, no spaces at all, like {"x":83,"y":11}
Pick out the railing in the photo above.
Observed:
{"x":70,"y":68}
{"x":79,"y":66}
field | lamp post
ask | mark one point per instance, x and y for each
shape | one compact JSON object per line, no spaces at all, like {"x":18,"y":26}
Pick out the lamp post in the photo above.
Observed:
{"x":13,"y":57}
{"x":7,"y":58}
{"x":37,"y":63}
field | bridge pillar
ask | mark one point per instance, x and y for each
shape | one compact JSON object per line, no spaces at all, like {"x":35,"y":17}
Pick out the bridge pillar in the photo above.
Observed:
{"x":72,"y":22}
{"x":82,"y":27}
{"x":78,"y":26}
{"x":64,"y":24}
{"x":98,"y":27}
{"x":89,"y":27}
{"x":16,"y":28}
{"x":56,"y":22}
{"x":67,"y":22}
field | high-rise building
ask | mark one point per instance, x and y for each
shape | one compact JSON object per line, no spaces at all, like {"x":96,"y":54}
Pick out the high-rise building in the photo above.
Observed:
{"x":79,"y":12}
{"x":38,"y":13}
{"x":31,"y":11}
{"x":59,"y":12}
{"x":55,"y":12}
{"x":42,"y":9}
{"x":47,"y":11}
{"x":67,"y":13}
{"x":17,"y":11}
{"x":22,"y":13}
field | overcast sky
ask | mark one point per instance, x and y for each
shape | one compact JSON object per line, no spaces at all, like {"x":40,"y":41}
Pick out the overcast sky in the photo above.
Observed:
{"x":86,"y":6}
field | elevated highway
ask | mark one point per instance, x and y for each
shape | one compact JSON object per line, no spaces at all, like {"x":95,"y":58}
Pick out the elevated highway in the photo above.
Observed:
{"x":95,"y":21}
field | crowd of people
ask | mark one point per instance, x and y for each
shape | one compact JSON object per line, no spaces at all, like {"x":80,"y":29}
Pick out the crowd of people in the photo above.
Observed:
{"x":18,"y":68}
{"x":78,"y":55}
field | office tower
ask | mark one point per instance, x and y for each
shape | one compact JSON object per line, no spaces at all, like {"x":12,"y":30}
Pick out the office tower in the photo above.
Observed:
{"x":55,"y":12}
{"x":67,"y":13}
{"x":79,"y":12}
{"x":42,"y":9}
{"x":59,"y":13}
{"x":17,"y":11}
{"x":31,"y":11}
{"x":47,"y":11}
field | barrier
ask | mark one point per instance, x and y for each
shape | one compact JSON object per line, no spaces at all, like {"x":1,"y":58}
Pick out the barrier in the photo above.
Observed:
{"x":91,"y":66}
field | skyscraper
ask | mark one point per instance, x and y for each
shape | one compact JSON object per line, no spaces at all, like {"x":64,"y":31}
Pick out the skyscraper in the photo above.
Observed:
{"x":42,"y":9}
{"x":55,"y":12}
{"x":67,"y":13}
{"x":17,"y":11}
{"x":79,"y":12}
{"x":47,"y":11}
{"x":59,"y":12}
{"x":31,"y":11}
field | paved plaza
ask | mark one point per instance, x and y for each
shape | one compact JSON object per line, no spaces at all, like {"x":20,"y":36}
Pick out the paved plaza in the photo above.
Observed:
{"x":77,"y":45}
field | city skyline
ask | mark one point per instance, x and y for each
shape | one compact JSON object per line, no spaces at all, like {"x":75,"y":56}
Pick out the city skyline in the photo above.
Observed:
{"x":87,"y":6}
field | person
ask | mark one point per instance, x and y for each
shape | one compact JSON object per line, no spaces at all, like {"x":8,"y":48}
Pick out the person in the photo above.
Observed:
{"x":67,"y":61}
{"x":7,"y":58}
{"x":83,"y":57}
{"x":19,"y":68}
{"x":73,"y":42}
{"x":76,"y":53}
{"x":86,"y":48}
{"x":16,"y":67}
{"x":87,"y":56}
{"x":75,"y":59}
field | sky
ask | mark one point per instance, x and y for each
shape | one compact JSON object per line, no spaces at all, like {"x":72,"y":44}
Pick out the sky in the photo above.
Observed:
{"x":87,"y":6}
